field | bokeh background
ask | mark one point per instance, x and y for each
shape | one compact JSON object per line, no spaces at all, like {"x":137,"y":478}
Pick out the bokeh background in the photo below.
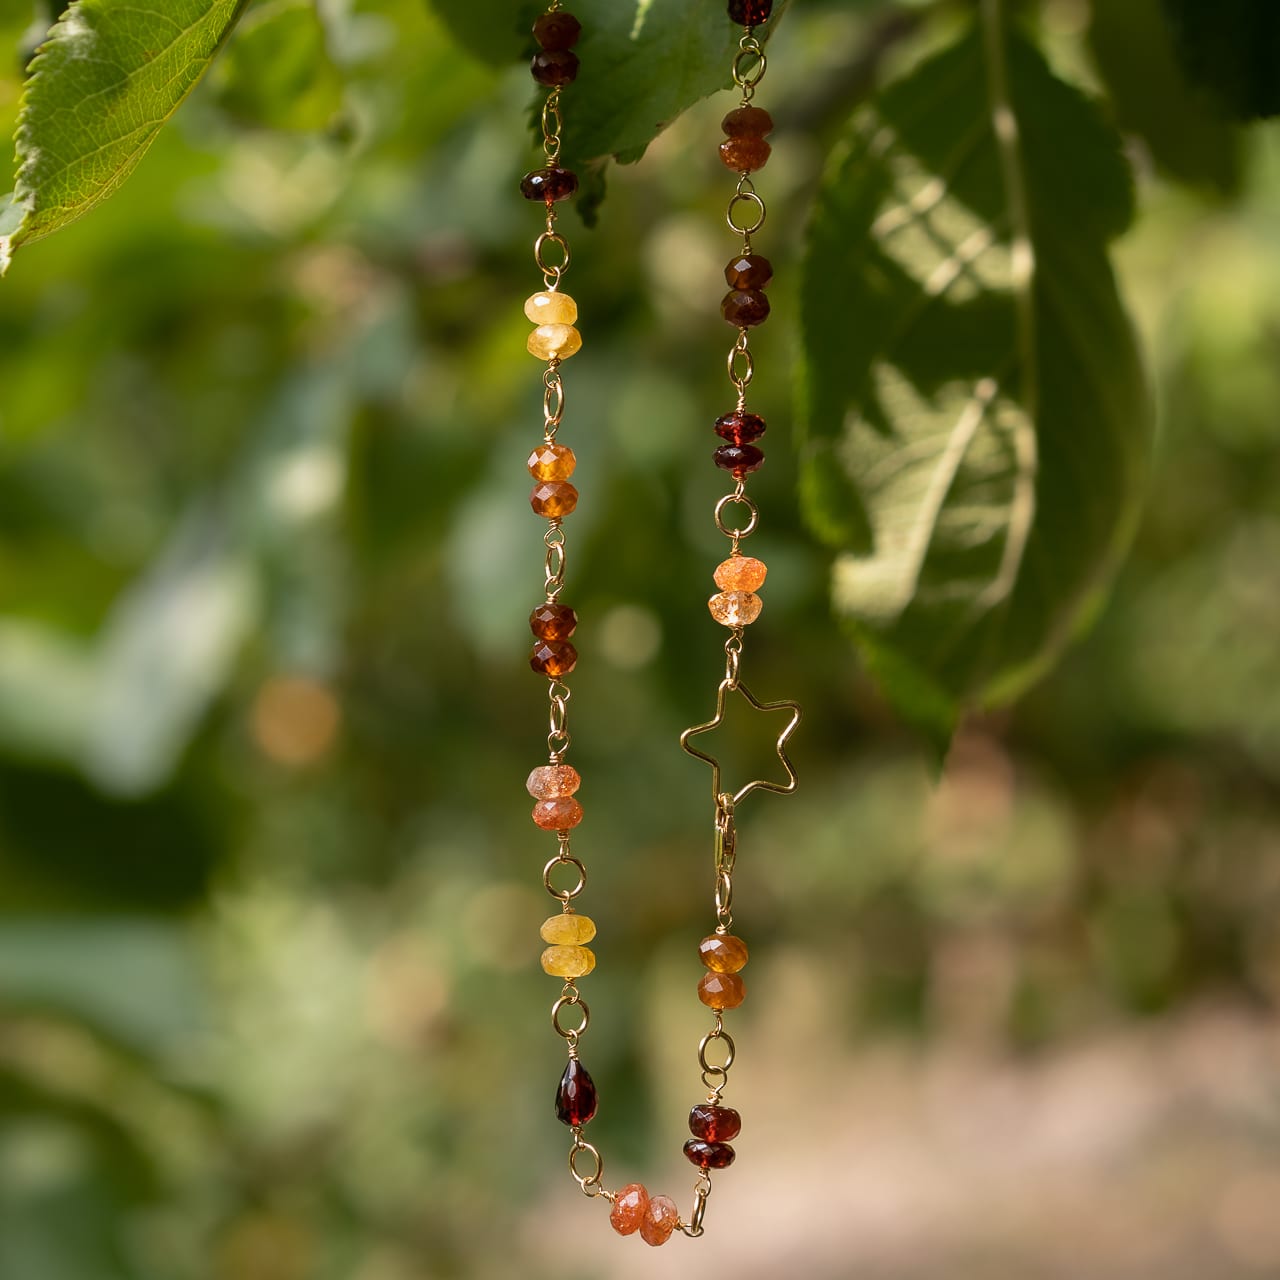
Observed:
{"x":269,"y":999}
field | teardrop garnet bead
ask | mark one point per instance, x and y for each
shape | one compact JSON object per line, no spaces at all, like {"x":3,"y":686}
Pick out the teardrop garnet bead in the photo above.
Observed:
{"x":576,"y":1098}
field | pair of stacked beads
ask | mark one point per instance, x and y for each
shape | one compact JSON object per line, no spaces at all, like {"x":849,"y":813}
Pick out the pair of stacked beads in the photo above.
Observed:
{"x":553,"y":654}
{"x":739,"y":578}
{"x":725,"y":956}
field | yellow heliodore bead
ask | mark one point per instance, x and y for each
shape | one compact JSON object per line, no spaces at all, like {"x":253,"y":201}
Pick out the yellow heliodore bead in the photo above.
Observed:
{"x":568,"y":962}
{"x":551,"y":308}
{"x":568,"y":929}
{"x":555,"y":342}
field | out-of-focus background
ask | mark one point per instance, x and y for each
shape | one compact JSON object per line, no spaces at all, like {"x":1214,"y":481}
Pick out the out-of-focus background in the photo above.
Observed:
{"x":270,"y":1006}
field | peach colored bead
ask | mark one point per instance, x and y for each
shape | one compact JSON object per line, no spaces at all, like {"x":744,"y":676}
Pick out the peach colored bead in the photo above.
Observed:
{"x":735,"y":608}
{"x":741,"y":573}
{"x":568,"y":929}
{"x":629,"y":1209}
{"x":568,"y":962}
{"x":555,"y":342}
{"x":660,"y":1220}
{"x":551,"y":308}
{"x":561,"y":814}
{"x":553,"y":781}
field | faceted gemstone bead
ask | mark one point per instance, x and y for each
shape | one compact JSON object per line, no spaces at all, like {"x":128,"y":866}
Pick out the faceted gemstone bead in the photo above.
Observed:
{"x":629,"y":1209}
{"x":743,"y":308}
{"x":738,"y":459}
{"x":721,"y":990}
{"x":556,"y":341}
{"x":549,"y":185}
{"x":552,"y":462}
{"x":557,"y":30}
{"x":746,"y":271}
{"x":750,"y":13}
{"x":550,"y":306}
{"x":568,"y":962}
{"x":553,"y":499}
{"x":745,"y":155}
{"x":735,"y":608}
{"x":714,"y":1123}
{"x":576,"y":1098}
{"x":553,"y":622}
{"x":660,"y":1220}
{"x":554,"y":67}
{"x":561,"y":814}
{"x":709,"y":1155}
{"x":740,"y":573}
{"x":740,"y":427}
{"x":723,"y":953}
{"x":552,"y":781}
{"x":568,"y":929}
{"x":747,"y":122}
{"x":553,"y":658}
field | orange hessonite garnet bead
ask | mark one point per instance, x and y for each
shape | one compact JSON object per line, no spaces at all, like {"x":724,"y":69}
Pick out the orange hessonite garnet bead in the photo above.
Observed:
{"x":553,"y":499}
{"x":553,"y":658}
{"x":553,"y":621}
{"x":721,"y":990}
{"x":741,"y":573}
{"x":723,"y":953}
{"x":552,"y":462}
{"x":660,"y":1220}
{"x":561,"y":814}
{"x":552,"y":781}
{"x":629,"y":1209}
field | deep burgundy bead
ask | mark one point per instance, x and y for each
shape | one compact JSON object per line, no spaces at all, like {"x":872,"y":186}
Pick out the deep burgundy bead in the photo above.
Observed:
{"x":713,"y":1123}
{"x":576,"y":1098}
{"x":709,"y":1155}
{"x":740,"y":427}
{"x":554,"y":67}
{"x":550,"y":185}
{"x":750,"y":13}
{"x":557,"y":31}
{"x":740,"y":459}
{"x":745,"y":308}
{"x":748,"y":271}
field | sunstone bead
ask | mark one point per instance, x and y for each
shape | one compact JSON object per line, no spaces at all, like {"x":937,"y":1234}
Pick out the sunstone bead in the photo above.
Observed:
{"x":714,"y":1123}
{"x":568,"y":929}
{"x":721,"y":990}
{"x":660,"y":1220}
{"x":629,"y":1209}
{"x":743,"y":308}
{"x":553,"y":622}
{"x":553,"y":499}
{"x":740,"y":573}
{"x":568,"y":962}
{"x":557,"y":30}
{"x":747,"y":122}
{"x":550,"y":306}
{"x":723,"y":953}
{"x":576,"y":1098}
{"x":559,"y":814}
{"x":553,"y":781}
{"x":749,"y":271}
{"x":554,"y":67}
{"x":738,"y":459}
{"x":549,"y":185}
{"x":552,"y":462}
{"x":556,"y":341}
{"x":735,"y":608}
{"x":745,"y":155}
{"x":740,"y":427}
{"x":750,"y":13}
{"x":709,"y":1155}
{"x":553,"y":658}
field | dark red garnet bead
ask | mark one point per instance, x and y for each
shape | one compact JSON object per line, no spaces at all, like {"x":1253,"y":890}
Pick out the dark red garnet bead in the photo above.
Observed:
{"x":554,"y":67}
{"x":557,"y":31}
{"x":576,"y":1098}
{"x":750,"y":13}
{"x":740,"y":427}
{"x":748,"y":271}
{"x":714,"y":1123}
{"x":740,"y":459}
{"x":553,"y":622}
{"x":550,"y":185}
{"x":745,"y":308}
{"x":709,"y":1155}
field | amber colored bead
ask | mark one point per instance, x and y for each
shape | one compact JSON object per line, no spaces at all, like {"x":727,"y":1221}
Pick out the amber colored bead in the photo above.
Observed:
{"x":553,"y":622}
{"x":629,"y":1209}
{"x":660,"y":1219}
{"x":721,"y":990}
{"x":556,"y":341}
{"x":568,"y":929}
{"x":550,"y":306}
{"x":745,"y":308}
{"x":735,"y":608}
{"x":745,"y":155}
{"x":738,"y":459}
{"x":557,"y":30}
{"x":549,"y":185}
{"x":740,"y":427}
{"x":739,"y":573}
{"x":553,"y":658}
{"x":554,"y":67}
{"x":747,"y":122}
{"x":576,"y":1098}
{"x":568,"y":962}
{"x":709,"y":1155}
{"x":557,"y":814}
{"x":747,"y":271}
{"x":750,"y":13}
{"x":552,"y":781}
{"x":553,"y":499}
{"x":723,"y":953}
{"x":552,"y":462}
{"x":714,"y":1123}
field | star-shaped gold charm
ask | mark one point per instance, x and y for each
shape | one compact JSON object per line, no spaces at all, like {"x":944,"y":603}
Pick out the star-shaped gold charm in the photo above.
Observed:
{"x":759,"y":784}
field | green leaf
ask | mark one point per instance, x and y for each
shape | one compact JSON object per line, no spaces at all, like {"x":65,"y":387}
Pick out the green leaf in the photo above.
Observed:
{"x":100,"y":89}
{"x":1232,"y":48}
{"x":971,"y":374}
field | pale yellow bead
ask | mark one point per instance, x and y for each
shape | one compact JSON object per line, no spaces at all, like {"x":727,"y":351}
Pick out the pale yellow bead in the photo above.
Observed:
{"x":555,"y":341}
{"x":551,"y":308}
{"x":568,"y":962}
{"x":568,"y":928}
